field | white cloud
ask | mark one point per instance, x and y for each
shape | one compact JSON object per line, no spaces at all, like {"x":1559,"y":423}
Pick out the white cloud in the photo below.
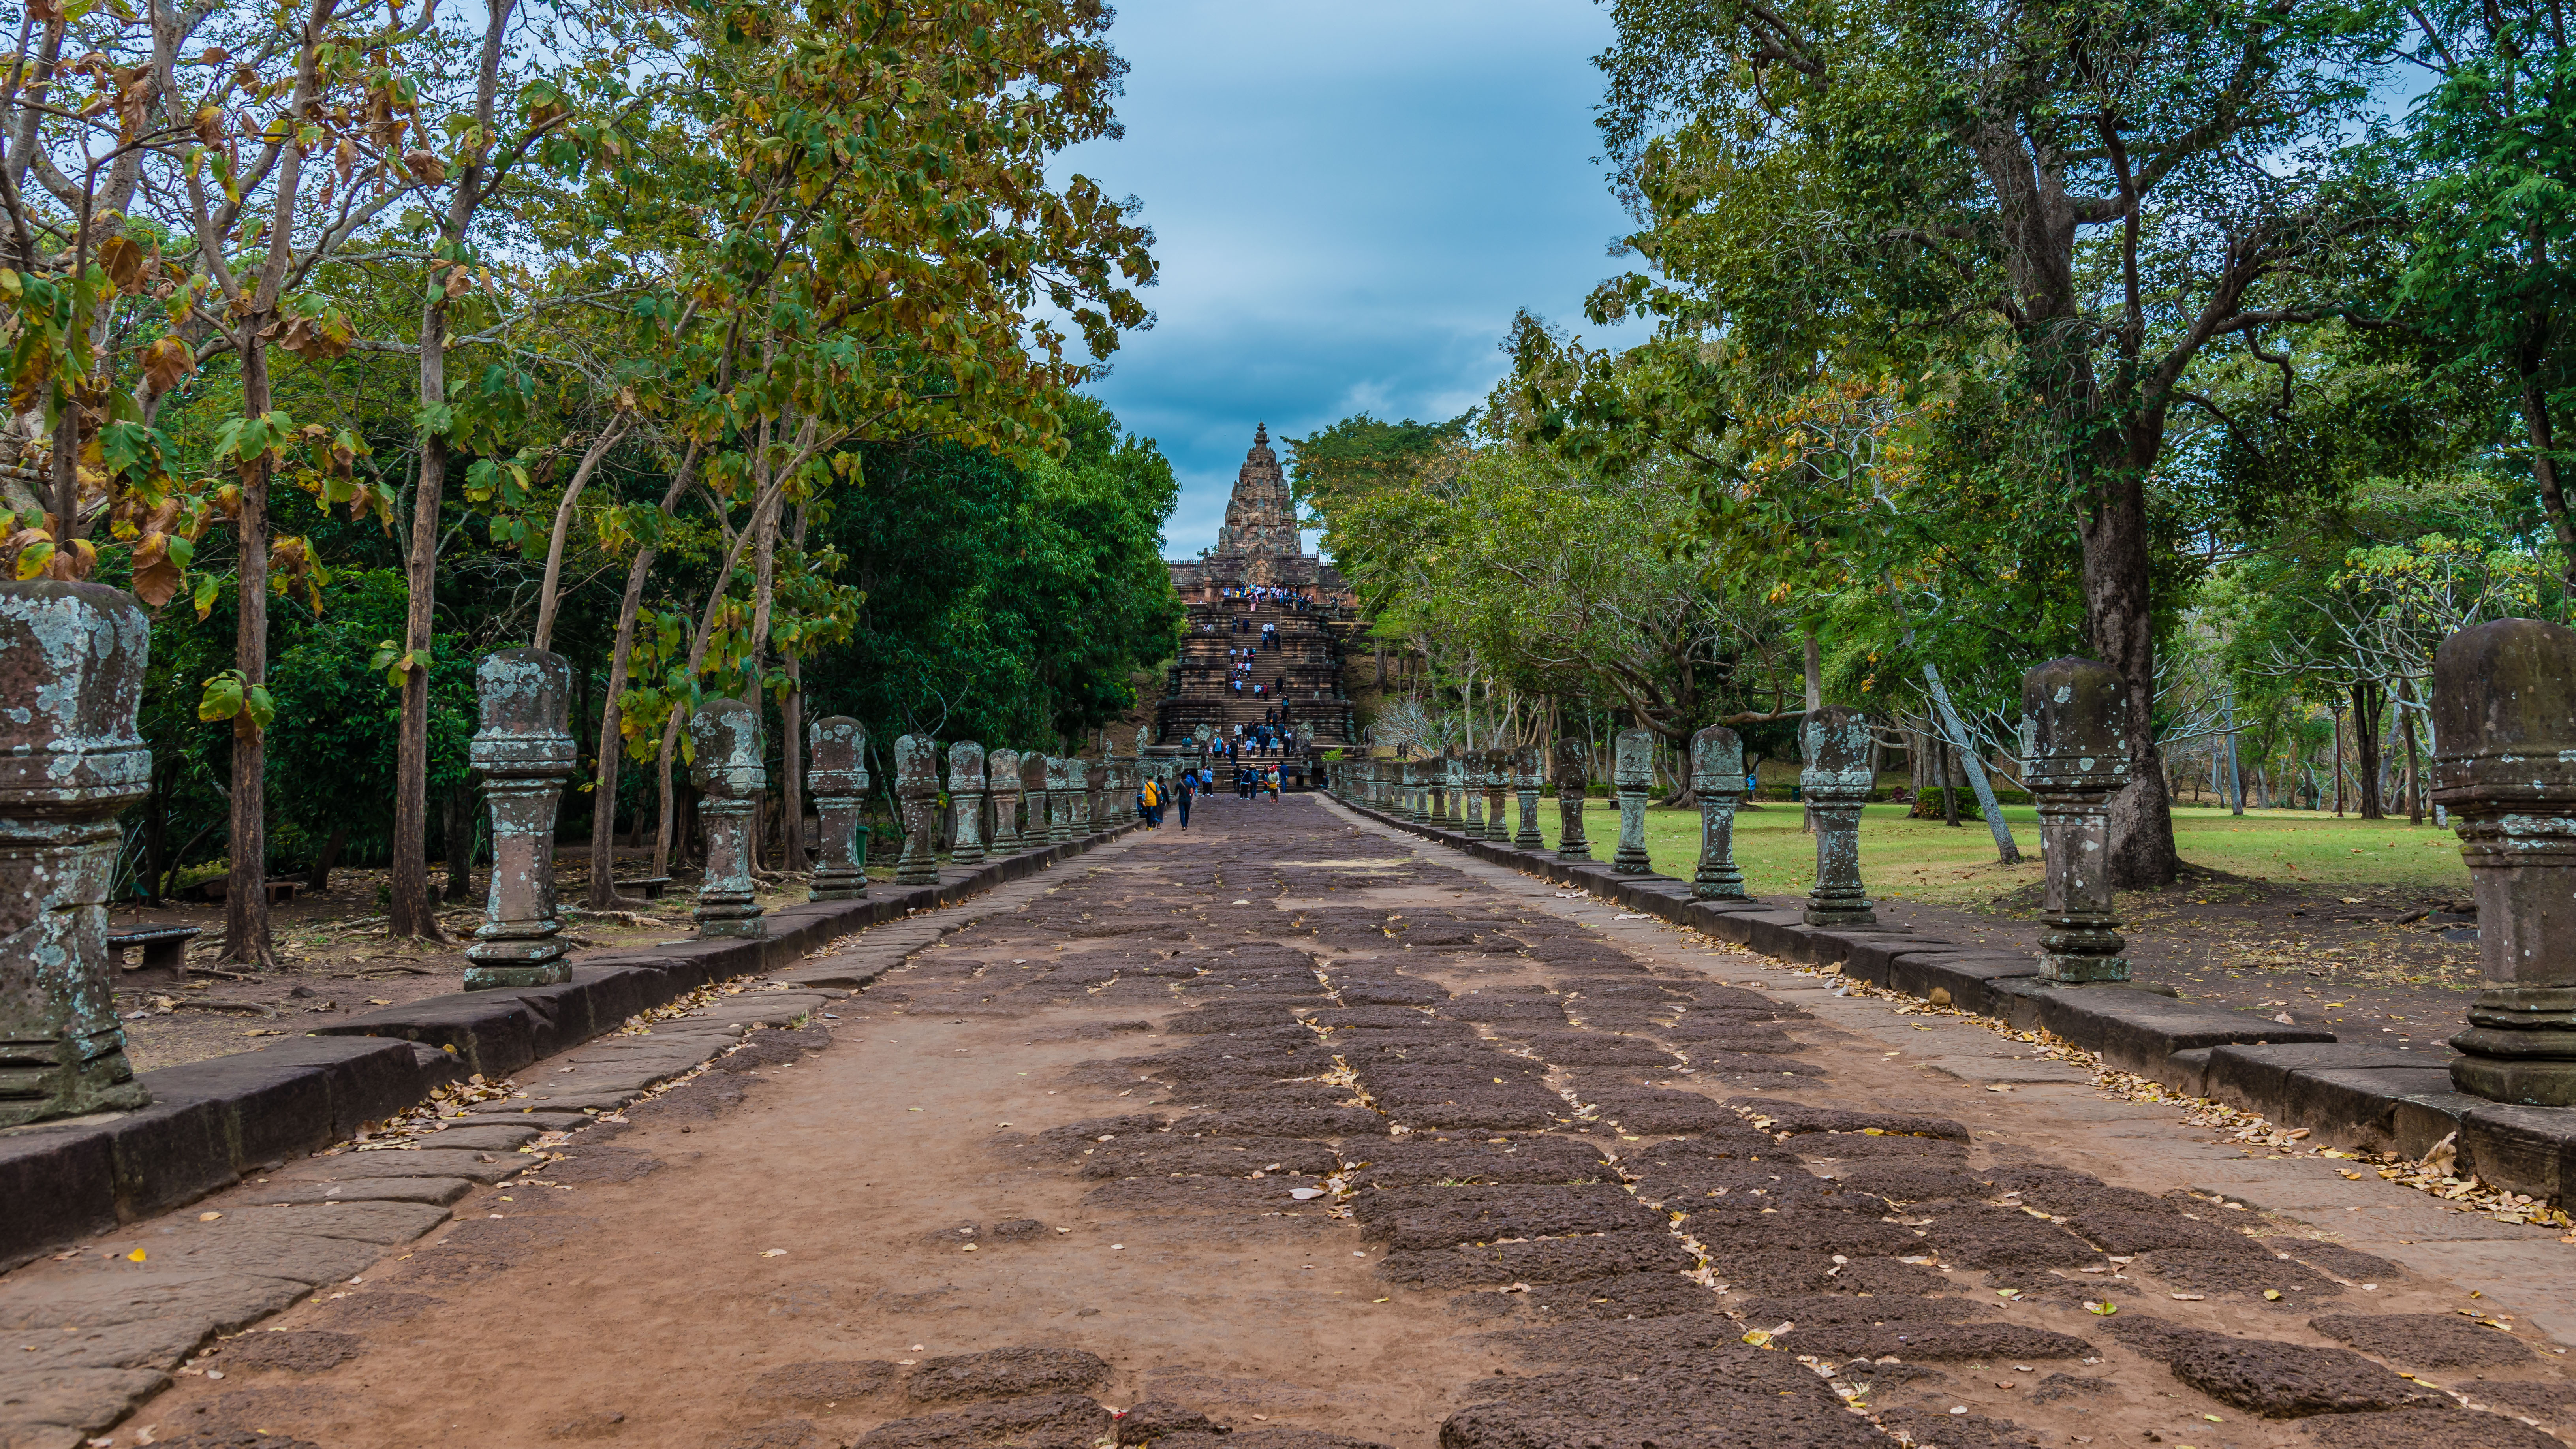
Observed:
{"x":1350,"y":199}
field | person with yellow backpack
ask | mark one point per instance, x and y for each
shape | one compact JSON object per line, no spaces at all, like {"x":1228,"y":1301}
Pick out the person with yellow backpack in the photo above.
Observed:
{"x":1149,"y":805}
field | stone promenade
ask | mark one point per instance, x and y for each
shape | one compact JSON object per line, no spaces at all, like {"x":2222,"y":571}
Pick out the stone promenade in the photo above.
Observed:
{"x":1298,"y":1129}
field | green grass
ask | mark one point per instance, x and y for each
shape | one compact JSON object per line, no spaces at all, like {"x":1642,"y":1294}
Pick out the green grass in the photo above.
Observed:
{"x":1926,"y":860}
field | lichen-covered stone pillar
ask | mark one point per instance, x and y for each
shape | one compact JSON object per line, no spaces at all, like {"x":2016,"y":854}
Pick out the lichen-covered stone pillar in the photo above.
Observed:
{"x":2076,"y":753}
{"x":1003,"y":781}
{"x":1525,"y":784}
{"x":1033,"y":794}
{"x":836,"y":774}
{"x":966,"y":797}
{"x":524,"y":752}
{"x":2504,"y":722}
{"x":1060,"y":799}
{"x":916,"y":794}
{"x":1835,"y":783}
{"x":1453,"y":767}
{"x":1095,"y":796}
{"x":1632,"y":771}
{"x":1469,"y":778}
{"x":1408,"y":791}
{"x":1498,"y":785}
{"x":1572,"y":762}
{"x":725,"y":735}
{"x":72,"y":660}
{"x":1717,"y":778}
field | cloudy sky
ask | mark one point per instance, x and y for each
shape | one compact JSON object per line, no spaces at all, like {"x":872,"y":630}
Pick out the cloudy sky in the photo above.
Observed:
{"x":1351,"y":197}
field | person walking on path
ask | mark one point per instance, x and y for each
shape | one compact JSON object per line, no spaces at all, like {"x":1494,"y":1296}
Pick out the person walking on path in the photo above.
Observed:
{"x":1270,"y":779}
{"x":1148,"y":807}
{"x":1182,"y":793}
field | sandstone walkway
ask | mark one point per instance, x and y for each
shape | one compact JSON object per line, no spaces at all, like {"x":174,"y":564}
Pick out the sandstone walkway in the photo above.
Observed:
{"x":1292,"y":1127}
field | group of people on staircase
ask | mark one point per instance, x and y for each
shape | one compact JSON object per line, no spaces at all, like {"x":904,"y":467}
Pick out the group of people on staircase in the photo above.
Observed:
{"x":1285,"y":598}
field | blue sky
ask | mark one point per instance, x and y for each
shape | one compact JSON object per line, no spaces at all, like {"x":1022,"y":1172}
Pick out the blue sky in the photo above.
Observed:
{"x":1350,"y":200}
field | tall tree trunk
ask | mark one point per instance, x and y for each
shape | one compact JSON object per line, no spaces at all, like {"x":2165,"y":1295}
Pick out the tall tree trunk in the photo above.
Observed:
{"x":2544,"y":472}
{"x":460,"y":842}
{"x":791,"y":768}
{"x":612,"y":741}
{"x":665,"y":837}
{"x":2365,"y":743}
{"x":317,"y":876}
{"x":1814,"y":659}
{"x":2414,"y":762}
{"x":156,"y":836}
{"x":2337,"y":715}
{"x":1949,"y":795}
{"x":413,"y":911}
{"x":246,"y":939}
{"x":2117,"y":597}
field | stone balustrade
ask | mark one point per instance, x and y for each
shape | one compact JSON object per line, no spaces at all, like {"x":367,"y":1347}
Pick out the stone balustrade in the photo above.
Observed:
{"x":836,"y":776}
{"x":1632,"y":774}
{"x":523,"y":753}
{"x":2076,"y":756}
{"x":1717,"y":778}
{"x":72,"y":661}
{"x":725,"y":735}
{"x":1835,"y":783}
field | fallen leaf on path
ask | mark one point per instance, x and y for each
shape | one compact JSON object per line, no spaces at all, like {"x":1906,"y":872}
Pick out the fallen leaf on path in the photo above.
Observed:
{"x":773,"y":1252}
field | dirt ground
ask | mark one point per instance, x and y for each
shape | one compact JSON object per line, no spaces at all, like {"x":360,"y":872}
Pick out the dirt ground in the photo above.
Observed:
{"x":335,"y":959}
{"x":2395,"y":964}
{"x":1294,"y":1128}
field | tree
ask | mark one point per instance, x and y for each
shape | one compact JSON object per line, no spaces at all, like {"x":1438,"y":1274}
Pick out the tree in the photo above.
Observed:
{"x":2488,"y":280}
{"x":2103,"y":191}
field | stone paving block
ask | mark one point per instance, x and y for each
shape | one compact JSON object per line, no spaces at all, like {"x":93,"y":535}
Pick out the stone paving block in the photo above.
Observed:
{"x":373,"y":1220}
{"x":1971,"y":978}
{"x":59,"y":1408}
{"x":436,"y":1191}
{"x":2258,"y":1077}
{"x":2529,"y":1149}
{"x":356,"y":1166}
{"x":2012,"y":1071}
{"x":297,"y":1256}
{"x":2135,"y":1030}
{"x":2360,"y":1108}
{"x":498,"y":1137}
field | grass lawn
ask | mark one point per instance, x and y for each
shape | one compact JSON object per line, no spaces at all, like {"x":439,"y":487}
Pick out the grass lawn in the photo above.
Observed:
{"x":1925,"y":860}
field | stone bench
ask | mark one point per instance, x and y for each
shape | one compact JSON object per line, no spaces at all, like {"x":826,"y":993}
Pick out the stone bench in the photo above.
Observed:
{"x":162,"y":945}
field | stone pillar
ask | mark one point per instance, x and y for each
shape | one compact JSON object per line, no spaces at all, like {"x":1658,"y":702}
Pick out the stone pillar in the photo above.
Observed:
{"x":1632,"y":771}
{"x":836,"y":774}
{"x":1835,"y":783}
{"x":1525,"y":783}
{"x":1572,"y":760}
{"x":2504,"y":715}
{"x":1469,"y":773}
{"x":524,"y":751}
{"x":72,"y":659}
{"x":1717,"y":778}
{"x":1095,"y":795}
{"x":1003,"y":781}
{"x":1453,"y":767}
{"x":966,"y":796}
{"x":2076,"y":753}
{"x":1498,"y":784}
{"x":916,"y":794}
{"x":1033,"y":794}
{"x":1059,"y":773}
{"x":725,"y":735}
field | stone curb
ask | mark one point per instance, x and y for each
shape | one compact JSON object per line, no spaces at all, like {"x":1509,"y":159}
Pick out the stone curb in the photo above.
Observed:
{"x":214,"y":1120}
{"x":2350,"y":1095}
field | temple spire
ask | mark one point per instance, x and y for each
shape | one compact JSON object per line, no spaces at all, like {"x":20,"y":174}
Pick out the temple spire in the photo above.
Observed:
{"x":1259,"y":519}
